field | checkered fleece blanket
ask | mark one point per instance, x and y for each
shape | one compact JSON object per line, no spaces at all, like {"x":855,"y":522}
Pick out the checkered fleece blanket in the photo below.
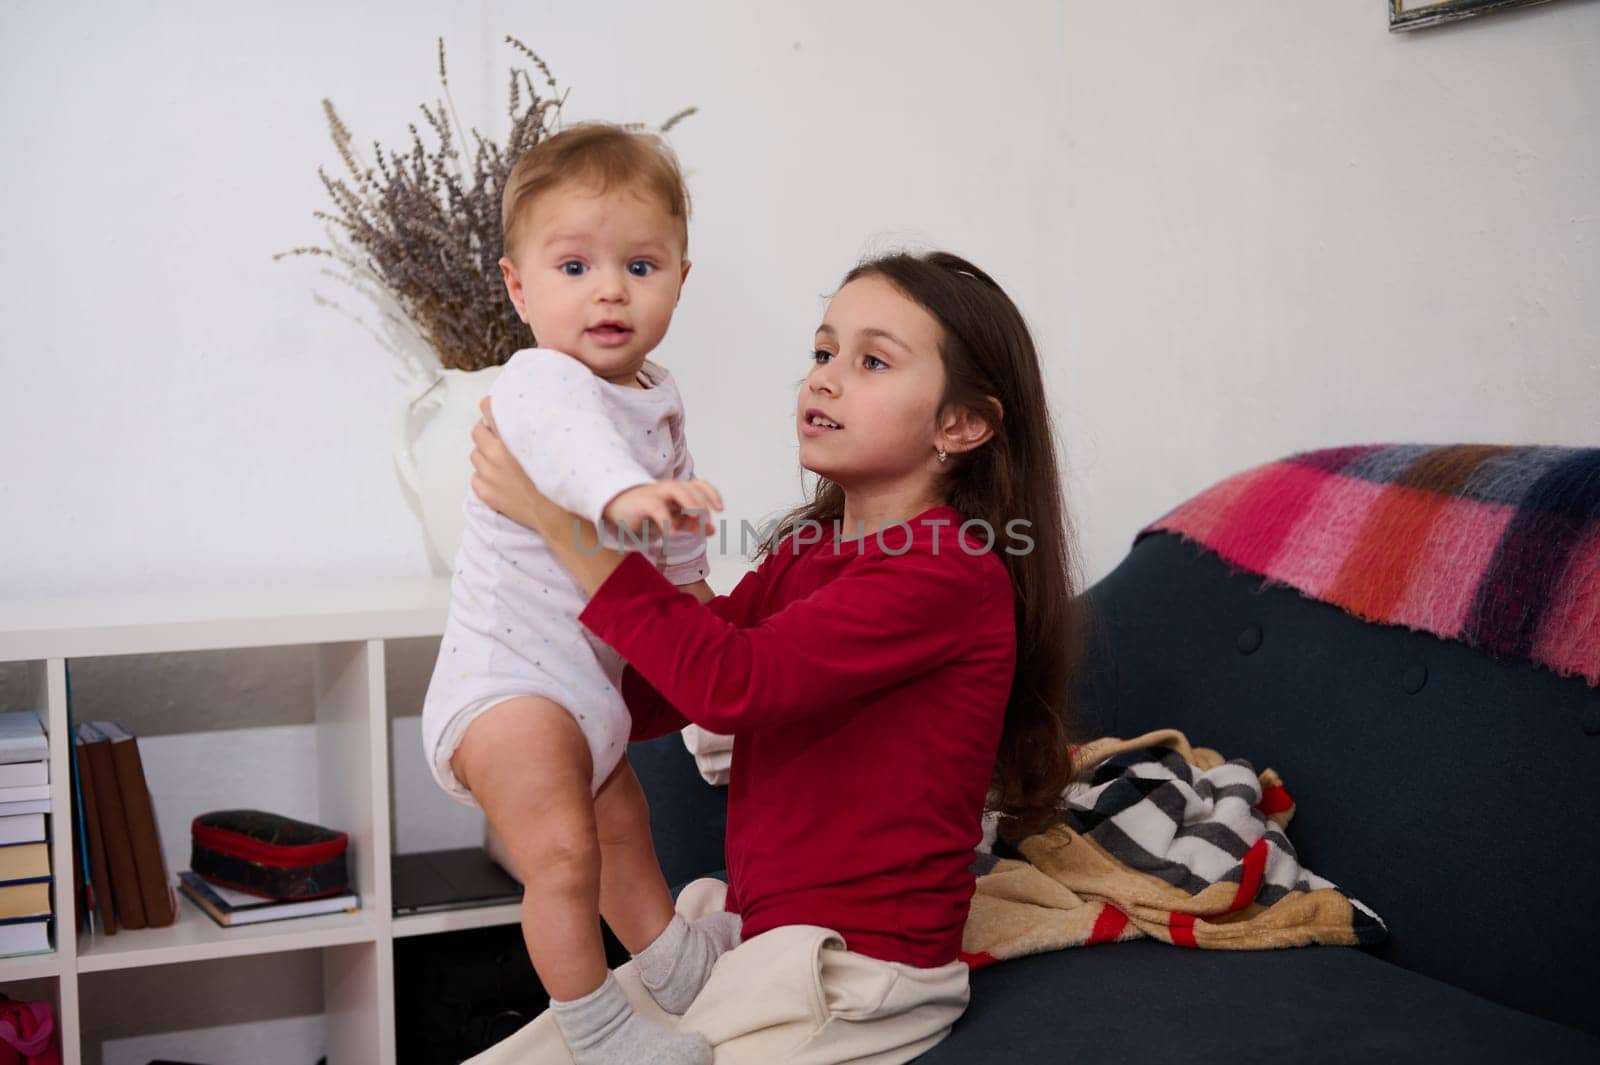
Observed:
{"x":1164,"y":840}
{"x":1492,"y":545}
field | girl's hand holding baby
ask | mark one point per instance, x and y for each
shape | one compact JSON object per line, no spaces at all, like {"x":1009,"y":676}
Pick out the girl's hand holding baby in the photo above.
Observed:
{"x":500,"y":481}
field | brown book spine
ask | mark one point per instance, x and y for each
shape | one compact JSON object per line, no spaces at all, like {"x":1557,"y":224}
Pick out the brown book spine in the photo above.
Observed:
{"x":148,"y":861}
{"x":99,"y":871}
{"x":119,"y":852}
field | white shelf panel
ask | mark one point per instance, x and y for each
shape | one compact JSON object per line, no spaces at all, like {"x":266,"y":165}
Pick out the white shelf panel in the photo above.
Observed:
{"x":265,"y":616}
{"x":30,"y":966}
{"x":422,"y":924}
{"x":195,"y":937}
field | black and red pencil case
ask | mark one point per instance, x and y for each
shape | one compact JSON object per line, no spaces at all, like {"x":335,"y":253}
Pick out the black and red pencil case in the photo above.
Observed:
{"x":269,"y":855}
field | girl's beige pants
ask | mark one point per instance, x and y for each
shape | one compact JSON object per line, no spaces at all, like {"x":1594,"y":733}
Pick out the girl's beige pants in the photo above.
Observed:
{"x":792,"y":995}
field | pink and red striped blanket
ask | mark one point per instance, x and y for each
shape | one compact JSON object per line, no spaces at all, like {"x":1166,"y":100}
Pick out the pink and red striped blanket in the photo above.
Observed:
{"x":1493,"y":545}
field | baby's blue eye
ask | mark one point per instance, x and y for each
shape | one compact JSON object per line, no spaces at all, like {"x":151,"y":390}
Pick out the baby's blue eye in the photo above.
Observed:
{"x":649,"y":267}
{"x":571,"y":262}
{"x":819,"y":352}
{"x":874,"y":358}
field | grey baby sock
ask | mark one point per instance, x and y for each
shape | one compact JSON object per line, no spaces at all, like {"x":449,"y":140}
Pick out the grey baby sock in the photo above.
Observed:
{"x":677,"y":965}
{"x":602,"y":1028}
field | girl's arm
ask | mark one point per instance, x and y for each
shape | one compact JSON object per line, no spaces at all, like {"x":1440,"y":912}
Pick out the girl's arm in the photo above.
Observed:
{"x":653,"y":715}
{"x":883,"y":621}
{"x":700,"y":590}
{"x":887,"y":619}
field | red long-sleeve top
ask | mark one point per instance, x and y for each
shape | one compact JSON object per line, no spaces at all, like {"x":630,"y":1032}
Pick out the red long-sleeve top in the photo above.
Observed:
{"x":866,"y":689}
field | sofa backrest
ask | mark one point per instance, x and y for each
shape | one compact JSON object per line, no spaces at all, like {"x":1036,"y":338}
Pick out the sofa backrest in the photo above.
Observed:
{"x":1456,"y":795}
{"x":688,"y":817}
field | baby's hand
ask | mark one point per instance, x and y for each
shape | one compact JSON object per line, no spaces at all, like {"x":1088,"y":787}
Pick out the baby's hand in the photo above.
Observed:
{"x":665,"y":504}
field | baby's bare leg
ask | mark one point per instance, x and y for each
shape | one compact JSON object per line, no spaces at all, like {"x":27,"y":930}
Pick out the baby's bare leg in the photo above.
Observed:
{"x":526,"y":763}
{"x":674,"y":956}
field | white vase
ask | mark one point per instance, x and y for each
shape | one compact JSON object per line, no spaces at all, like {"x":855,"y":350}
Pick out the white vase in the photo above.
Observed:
{"x":433,"y":454}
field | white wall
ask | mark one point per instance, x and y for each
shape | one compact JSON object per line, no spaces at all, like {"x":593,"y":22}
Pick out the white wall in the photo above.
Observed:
{"x":176,"y":409}
{"x":1238,"y":230}
{"x":1283,"y":227}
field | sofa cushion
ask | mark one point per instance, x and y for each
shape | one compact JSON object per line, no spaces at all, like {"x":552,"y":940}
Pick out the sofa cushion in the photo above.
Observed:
{"x":1446,"y":790}
{"x":1143,"y":1001}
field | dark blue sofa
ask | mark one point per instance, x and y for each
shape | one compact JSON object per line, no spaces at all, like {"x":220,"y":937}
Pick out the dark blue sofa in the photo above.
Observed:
{"x":1457,"y":796}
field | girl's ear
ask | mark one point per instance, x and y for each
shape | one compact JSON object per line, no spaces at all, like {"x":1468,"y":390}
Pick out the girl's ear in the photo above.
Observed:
{"x":964,"y":430}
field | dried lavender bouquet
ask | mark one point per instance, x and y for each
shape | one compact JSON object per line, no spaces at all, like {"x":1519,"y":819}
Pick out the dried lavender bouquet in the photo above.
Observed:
{"x":421,"y":237}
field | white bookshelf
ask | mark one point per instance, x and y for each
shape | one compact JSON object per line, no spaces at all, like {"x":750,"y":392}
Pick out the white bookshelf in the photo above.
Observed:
{"x":347,"y":628}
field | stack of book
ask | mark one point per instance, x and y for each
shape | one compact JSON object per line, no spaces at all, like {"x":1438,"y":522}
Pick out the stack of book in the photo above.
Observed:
{"x":25,"y":907}
{"x":228,"y":906}
{"x":120,"y":866}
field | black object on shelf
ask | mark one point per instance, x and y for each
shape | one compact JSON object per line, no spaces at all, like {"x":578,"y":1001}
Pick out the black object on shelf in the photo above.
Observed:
{"x":430,"y":881}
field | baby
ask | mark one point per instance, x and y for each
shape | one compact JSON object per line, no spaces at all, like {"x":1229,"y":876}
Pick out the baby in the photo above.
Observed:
{"x":524,"y":715}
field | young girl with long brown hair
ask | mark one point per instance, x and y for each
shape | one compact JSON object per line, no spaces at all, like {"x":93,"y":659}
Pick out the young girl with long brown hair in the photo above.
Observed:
{"x":897,"y":662}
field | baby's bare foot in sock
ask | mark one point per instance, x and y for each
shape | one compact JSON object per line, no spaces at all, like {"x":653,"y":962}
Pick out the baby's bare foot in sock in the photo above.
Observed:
{"x":677,"y":965}
{"x":602,"y":1028}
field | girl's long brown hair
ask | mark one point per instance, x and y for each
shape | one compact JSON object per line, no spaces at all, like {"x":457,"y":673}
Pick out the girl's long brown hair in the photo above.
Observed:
{"x":987,"y":351}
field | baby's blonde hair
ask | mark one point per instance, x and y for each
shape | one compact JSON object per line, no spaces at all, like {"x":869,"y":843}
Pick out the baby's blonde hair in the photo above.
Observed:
{"x":602,"y":156}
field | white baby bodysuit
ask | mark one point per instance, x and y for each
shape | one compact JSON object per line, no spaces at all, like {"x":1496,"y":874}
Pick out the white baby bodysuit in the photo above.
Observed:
{"x":513,"y":625}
